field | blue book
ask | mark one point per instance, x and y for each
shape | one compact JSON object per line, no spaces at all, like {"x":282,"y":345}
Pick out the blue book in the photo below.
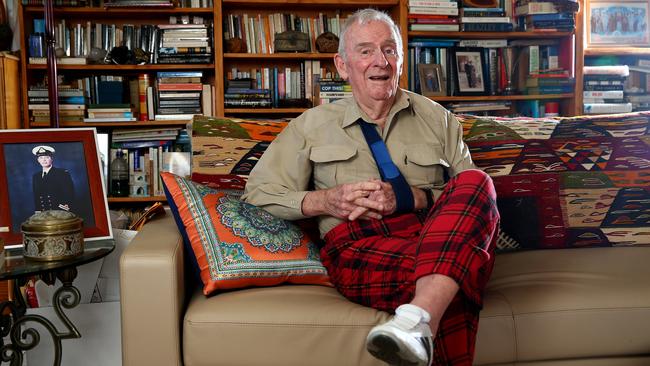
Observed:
{"x":558,"y":16}
{"x":431,"y":43}
{"x":175,"y":74}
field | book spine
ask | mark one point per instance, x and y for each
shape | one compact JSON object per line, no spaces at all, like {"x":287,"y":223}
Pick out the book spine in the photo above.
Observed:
{"x":143,"y":83}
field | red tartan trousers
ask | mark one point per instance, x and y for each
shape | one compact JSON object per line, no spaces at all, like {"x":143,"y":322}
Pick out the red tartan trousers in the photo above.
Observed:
{"x":376,"y":262}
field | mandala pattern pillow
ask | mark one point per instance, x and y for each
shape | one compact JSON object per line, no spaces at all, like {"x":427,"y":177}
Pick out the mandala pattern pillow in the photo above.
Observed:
{"x":236,"y":244}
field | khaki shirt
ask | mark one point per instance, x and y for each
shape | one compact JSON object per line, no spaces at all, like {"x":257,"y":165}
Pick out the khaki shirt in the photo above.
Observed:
{"x":324,"y":147}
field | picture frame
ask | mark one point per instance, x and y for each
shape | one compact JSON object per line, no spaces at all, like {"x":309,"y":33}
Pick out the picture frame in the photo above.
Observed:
{"x":470,"y":71}
{"x":617,"y":24}
{"x":432,"y":80}
{"x":74,"y":157}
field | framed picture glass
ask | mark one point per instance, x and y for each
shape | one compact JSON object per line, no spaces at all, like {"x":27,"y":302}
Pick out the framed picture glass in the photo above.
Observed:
{"x":617,"y":24}
{"x":51,"y":169}
{"x":470,"y":71}
{"x":432,"y":80}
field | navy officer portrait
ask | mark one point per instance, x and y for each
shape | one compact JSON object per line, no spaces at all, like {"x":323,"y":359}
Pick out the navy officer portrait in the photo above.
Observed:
{"x":53,"y":187}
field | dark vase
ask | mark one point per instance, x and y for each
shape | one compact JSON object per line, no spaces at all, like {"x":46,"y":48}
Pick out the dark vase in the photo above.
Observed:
{"x":5,"y":37}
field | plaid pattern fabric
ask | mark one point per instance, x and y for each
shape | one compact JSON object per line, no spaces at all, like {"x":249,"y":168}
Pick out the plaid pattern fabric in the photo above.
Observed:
{"x":376,"y":262}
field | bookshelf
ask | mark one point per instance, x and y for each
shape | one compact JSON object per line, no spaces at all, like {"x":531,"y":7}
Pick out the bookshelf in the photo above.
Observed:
{"x":570,"y":45}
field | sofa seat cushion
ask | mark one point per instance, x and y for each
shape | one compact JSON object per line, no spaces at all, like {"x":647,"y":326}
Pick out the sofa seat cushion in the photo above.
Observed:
{"x":573,"y":303}
{"x":259,"y":326}
{"x":539,"y":305}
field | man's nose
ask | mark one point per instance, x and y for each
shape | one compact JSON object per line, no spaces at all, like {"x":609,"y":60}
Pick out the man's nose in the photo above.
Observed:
{"x":380,"y":59}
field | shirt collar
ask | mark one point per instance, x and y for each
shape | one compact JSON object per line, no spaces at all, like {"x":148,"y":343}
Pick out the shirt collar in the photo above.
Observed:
{"x":353,"y":112}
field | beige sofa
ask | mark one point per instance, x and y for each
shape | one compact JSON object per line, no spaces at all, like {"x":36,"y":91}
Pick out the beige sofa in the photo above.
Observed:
{"x":570,"y":307}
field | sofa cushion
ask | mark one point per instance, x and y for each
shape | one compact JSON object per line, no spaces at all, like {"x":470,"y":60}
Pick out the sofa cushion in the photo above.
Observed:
{"x":289,"y":325}
{"x":235,"y":244}
{"x":574,"y":303}
{"x":539,"y":305}
{"x":567,"y":182}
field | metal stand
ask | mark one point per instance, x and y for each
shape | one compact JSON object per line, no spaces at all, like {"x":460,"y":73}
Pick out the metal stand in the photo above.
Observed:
{"x":25,"y":339}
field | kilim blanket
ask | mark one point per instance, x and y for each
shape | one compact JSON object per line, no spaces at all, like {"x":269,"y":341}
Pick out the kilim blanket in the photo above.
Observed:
{"x":561,"y":182}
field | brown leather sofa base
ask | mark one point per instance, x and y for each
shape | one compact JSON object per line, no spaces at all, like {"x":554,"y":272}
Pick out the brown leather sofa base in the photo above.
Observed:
{"x":571,"y":307}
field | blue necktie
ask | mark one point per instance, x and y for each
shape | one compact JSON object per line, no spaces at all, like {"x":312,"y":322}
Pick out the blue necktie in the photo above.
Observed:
{"x":387,"y":169}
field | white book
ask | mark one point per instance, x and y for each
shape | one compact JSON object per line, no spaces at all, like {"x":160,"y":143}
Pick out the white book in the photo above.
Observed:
{"x":485,"y":19}
{"x":487,"y":43}
{"x":439,"y":11}
{"x":59,"y":60}
{"x":206,"y":100}
{"x":536,"y":8}
{"x":435,"y":27}
{"x":605,"y":94}
{"x":598,"y":108}
{"x":618,"y":70}
{"x":432,"y":4}
{"x":172,"y":117}
{"x":110,"y":119}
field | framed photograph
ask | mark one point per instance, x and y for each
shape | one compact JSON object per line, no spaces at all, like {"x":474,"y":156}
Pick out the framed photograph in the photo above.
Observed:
{"x":470,"y":71}
{"x":432,"y":81}
{"x":51,"y":169}
{"x":617,"y":24}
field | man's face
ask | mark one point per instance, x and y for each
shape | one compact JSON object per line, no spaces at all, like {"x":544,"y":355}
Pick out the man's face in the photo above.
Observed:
{"x":372,"y":65}
{"x":45,"y":161}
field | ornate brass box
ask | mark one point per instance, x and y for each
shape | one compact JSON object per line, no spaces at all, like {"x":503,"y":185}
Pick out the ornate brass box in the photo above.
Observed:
{"x":52,"y":235}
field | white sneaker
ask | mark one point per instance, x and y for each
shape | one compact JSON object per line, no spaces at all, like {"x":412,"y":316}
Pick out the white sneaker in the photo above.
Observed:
{"x":404,"y":340}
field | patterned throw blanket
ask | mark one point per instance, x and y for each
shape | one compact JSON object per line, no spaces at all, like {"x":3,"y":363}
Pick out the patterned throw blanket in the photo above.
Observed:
{"x":561,"y":182}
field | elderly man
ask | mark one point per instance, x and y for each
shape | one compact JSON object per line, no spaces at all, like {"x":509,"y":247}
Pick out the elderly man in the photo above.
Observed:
{"x":53,"y":187}
{"x":411,"y":242}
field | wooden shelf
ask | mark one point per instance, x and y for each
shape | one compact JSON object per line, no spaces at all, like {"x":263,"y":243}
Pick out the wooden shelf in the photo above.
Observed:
{"x":145,"y":124}
{"x":502,"y":97}
{"x":137,"y":199}
{"x":617,"y":51}
{"x":138,"y":68}
{"x":489,"y":35}
{"x":295,"y":4}
{"x":280,"y":56}
{"x":95,"y":11}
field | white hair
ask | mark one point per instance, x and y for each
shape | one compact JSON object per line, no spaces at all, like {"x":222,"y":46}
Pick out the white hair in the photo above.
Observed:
{"x":365,"y":16}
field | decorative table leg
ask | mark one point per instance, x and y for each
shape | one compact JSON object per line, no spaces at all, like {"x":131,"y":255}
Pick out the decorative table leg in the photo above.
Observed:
{"x":67,"y":296}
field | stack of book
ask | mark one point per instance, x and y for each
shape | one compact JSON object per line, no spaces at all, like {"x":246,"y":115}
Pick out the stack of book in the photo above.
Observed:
{"x":184,"y":43}
{"x":333,"y":89}
{"x":179,"y":95}
{"x":72,"y":104}
{"x":109,"y":113}
{"x":149,"y":152}
{"x":243,"y":93}
{"x":550,"y":81}
{"x":484,"y":20}
{"x":548,"y":15}
{"x":609,"y":81}
{"x":433,"y":15}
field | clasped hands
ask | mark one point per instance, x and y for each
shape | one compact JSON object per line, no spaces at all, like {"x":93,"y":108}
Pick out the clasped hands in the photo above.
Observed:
{"x":371,"y":199}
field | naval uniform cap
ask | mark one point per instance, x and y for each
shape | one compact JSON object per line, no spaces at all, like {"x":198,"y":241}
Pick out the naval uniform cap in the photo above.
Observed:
{"x":42,"y":150}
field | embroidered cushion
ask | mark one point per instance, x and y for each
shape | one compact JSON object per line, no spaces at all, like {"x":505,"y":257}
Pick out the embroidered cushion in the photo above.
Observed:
{"x":566,"y":182}
{"x":235,"y":244}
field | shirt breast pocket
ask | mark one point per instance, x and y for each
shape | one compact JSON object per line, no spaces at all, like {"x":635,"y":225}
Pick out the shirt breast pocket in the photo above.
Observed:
{"x":425,"y":164}
{"x":330,"y":164}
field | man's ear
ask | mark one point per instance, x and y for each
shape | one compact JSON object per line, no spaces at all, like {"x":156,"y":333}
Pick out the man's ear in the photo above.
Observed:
{"x":341,"y":67}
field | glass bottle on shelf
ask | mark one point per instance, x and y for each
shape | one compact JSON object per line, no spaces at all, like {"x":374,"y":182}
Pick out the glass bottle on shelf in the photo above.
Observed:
{"x":119,"y":176}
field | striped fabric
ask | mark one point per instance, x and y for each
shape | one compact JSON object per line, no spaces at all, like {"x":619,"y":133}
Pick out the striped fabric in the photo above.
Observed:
{"x":376,"y":262}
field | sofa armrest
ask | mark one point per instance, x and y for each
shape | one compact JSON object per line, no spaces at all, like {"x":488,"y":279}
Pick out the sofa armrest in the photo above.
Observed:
{"x":152,"y":290}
